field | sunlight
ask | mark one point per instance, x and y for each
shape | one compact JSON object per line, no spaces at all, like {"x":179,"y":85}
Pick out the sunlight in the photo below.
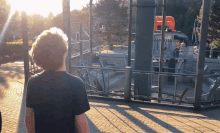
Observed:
{"x":147,"y":122}
{"x":42,"y":7}
{"x":5,"y":28}
{"x":191,"y":114}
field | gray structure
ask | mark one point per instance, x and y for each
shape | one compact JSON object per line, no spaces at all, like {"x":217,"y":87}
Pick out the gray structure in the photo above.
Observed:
{"x":201,"y":55}
{"x":25,"y":46}
{"x":161,"y":49}
{"x":67,"y":28}
{"x":146,"y":10}
{"x":90,"y":31}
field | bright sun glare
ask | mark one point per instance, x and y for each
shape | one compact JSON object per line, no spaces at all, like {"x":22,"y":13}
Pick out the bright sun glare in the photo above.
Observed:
{"x":43,"y":7}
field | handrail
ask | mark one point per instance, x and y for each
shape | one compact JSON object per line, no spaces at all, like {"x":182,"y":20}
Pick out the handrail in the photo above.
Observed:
{"x":84,"y":52}
{"x":97,"y":68}
{"x":147,"y":72}
{"x":165,"y":73}
{"x":139,"y":72}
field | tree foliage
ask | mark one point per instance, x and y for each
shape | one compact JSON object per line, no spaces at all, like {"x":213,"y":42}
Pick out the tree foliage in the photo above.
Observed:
{"x":48,"y":20}
{"x":184,"y":13}
{"x":112,"y":14}
{"x":35,"y":24}
{"x":4,"y":12}
{"x":77,"y":16}
{"x":214,"y":23}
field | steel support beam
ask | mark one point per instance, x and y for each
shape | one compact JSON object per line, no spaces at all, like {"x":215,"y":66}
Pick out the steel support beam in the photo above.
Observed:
{"x":201,"y":55}
{"x":90,"y":25}
{"x":67,"y":30}
{"x":144,"y":45}
{"x":25,"y":46}
{"x":127,"y":85}
{"x":129,"y":33}
{"x":90,"y":32}
{"x":80,"y":43}
{"x":162,"y":49}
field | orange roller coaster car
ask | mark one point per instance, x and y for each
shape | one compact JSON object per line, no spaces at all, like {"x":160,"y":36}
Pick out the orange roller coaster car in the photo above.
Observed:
{"x":170,"y":23}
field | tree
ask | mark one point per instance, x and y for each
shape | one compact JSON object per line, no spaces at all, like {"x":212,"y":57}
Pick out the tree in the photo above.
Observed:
{"x":214,"y":23}
{"x":4,"y":12}
{"x":57,"y":21}
{"x":116,"y":23}
{"x":36,"y":24}
{"x":48,"y":20}
{"x":113,"y":15}
{"x":191,"y":15}
{"x":183,"y":13}
{"x":4,"y":15}
{"x":78,"y":16}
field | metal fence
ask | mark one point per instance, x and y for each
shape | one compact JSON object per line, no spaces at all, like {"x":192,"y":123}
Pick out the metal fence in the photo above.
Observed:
{"x":75,"y":48}
{"x":175,"y":93}
{"x":177,"y":88}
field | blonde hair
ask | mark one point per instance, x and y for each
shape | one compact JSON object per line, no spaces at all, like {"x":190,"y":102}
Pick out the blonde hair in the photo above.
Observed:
{"x":49,"y":49}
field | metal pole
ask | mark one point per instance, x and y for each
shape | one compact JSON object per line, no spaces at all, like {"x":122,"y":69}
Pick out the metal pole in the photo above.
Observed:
{"x":25,"y":46}
{"x":103,"y":75}
{"x":90,"y":26}
{"x":161,"y":49}
{"x":127,"y":85}
{"x":77,"y":37}
{"x":129,"y":34}
{"x":201,"y":55}
{"x":69,"y":38}
{"x":175,"y":84}
{"x":66,"y":25}
{"x":90,"y":34}
{"x":80,"y":43}
{"x":144,"y":45}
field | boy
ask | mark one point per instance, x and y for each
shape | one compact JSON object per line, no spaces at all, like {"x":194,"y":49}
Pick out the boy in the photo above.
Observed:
{"x":56,"y":101}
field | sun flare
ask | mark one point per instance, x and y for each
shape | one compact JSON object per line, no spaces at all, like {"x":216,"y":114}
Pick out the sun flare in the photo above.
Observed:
{"x":42,"y":7}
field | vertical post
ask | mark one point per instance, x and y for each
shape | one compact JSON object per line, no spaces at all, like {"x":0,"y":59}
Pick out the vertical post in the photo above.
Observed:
{"x":77,"y":37}
{"x":90,"y":25}
{"x":146,"y":10}
{"x":69,"y":38}
{"x":103,"y":75}
{"x":175,"y":84}
{"x":90,"y":32}
{"x":80,"y":43}
{"x":201,"y":55}
{"x":25,"y":46}
{"x":162,"y":49}
{"x":67,"y":28}
{"x":129,"y":34}
{"x":127,"y":85}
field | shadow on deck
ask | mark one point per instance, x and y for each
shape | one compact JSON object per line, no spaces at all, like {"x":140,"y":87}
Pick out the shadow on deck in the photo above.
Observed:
{"x":118,"y":116}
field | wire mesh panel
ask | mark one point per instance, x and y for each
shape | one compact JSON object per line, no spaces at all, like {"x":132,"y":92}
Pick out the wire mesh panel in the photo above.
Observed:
{"x":105,"y":82}
{"x":174,"y":92}
{"x":75,"y":48}
{"x":33,"y":68}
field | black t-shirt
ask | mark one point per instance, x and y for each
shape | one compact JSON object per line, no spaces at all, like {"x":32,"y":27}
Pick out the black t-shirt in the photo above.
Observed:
{"x":56,"y":97}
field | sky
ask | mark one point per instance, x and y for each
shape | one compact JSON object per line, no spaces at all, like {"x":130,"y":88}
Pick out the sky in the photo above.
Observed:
{"x":43,"y":7}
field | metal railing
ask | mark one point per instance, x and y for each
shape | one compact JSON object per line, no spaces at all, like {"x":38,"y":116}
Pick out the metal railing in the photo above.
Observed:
{"x":97,"y":81}
{"x":86,"y":49}
{"x":33,"y":68}
{"x":169,"y":98}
